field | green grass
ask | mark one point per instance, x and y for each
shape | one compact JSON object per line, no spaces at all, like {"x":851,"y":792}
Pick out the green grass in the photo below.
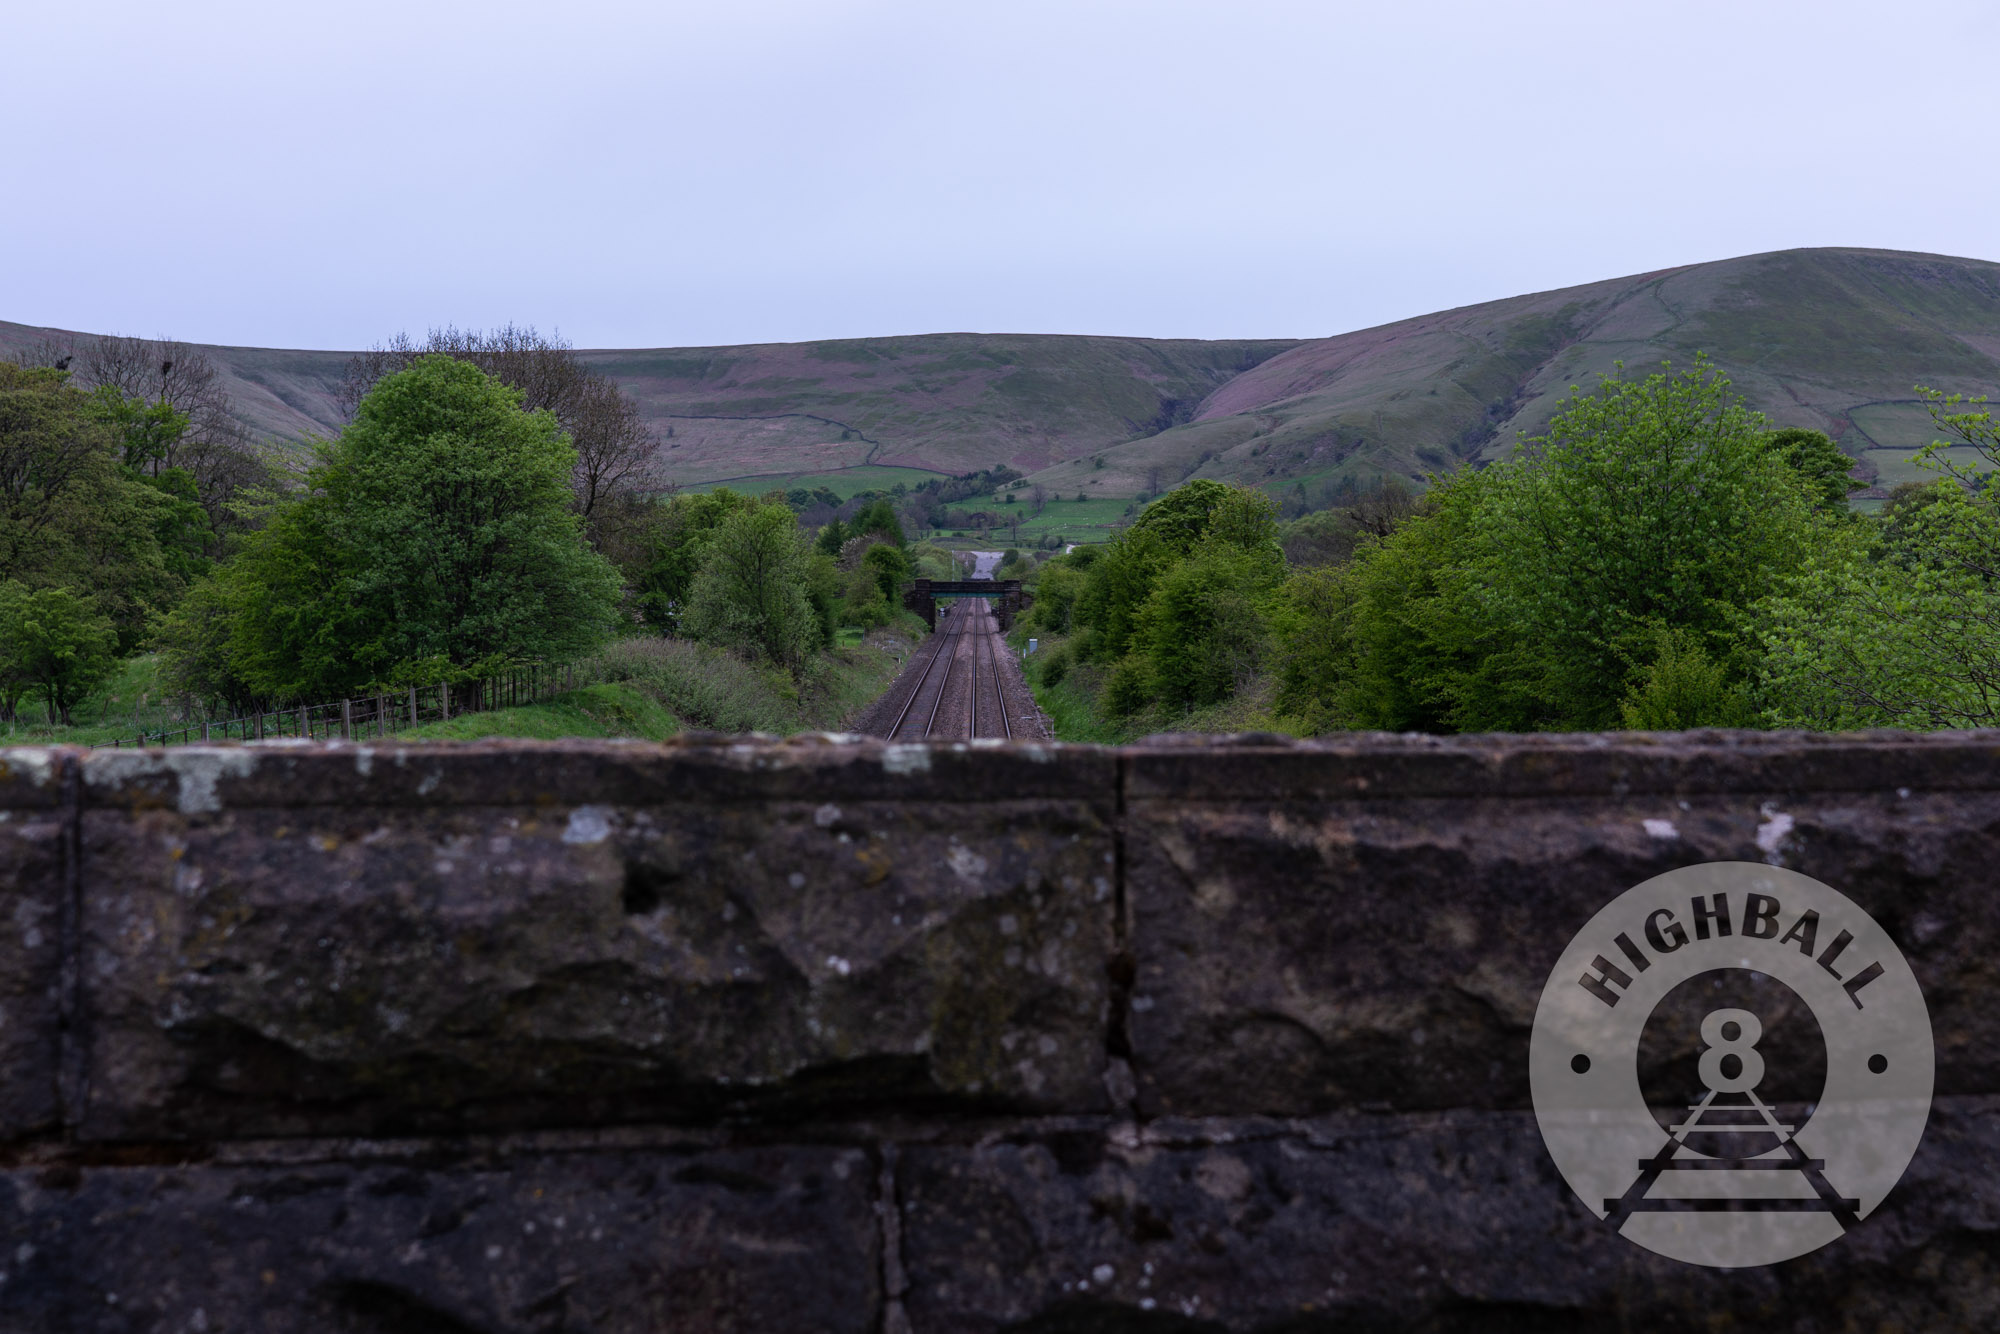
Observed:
{"x":612,"y":709}
{"x":1895,"y":466}
{"x":1074,"y":520}
{"x":845,"y":482}
{"x":131,"y":701}
{"x":647,"y":689}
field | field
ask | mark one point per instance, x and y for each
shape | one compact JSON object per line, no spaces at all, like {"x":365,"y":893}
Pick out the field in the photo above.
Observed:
{"x":1070,"y":519}
{"x":1895,"y":466}
{"x":843,"y":482}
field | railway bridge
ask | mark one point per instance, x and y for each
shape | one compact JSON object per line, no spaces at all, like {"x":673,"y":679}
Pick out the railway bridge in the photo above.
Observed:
{"x":1005,"y":595}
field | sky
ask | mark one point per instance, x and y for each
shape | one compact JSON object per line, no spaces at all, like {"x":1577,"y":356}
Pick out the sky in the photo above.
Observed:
{"x":669,"y":174}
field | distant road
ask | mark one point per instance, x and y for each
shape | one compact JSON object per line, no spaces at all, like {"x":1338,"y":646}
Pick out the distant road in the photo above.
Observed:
{"x":984,"y":563}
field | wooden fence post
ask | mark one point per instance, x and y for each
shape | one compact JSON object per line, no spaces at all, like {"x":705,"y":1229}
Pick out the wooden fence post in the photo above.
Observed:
{"x":444,"y":700}
{"x":347,"y":720}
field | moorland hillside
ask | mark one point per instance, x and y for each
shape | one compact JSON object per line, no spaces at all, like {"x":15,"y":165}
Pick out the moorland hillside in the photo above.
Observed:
{"x":1827,"y":338}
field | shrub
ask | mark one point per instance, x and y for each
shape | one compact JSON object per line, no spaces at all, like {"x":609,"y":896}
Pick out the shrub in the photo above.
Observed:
{"x":705,"y":687}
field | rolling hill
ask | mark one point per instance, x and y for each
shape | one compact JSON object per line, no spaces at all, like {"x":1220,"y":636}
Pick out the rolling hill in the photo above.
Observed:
{"x":1830,"y":338}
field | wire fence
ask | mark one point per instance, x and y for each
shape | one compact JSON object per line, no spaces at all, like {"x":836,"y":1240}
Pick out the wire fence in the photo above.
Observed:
{"x":382,"y":715}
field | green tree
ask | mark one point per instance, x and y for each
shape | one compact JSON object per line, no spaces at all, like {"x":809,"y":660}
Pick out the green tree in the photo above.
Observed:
{"x":1398,"y":638}
{"x":1202,"y":632}
{"x":1647,"y":506}
{"x":436,"y":537}
{"x":890,"y":566}
{"x":73,"y":515}
{"x":659,"y":546}
{"x":1898,"y":624}
{"x":1826,"y":472}
{"x":877,"y":518}
{"x":1123,"y":577}
{"x":1542,"y":592}
{"x":54,"y":640}
{"x":752,"y":593}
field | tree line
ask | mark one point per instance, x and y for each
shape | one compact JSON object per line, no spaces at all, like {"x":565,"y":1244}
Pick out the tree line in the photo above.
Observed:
{"x":1660,"y":557}
{"x":489,"y":501}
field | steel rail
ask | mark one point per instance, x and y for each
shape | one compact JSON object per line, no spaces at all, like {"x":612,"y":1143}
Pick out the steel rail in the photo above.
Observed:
{"x":922,"y":681}
{"x":999,"y":693}
{"x":944,"y":686}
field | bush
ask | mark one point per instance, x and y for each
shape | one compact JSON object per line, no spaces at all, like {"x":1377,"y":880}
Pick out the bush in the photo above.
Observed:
{"x":706,"y":687}
{"x":1129,"y":689}
{"x":1683,"y":687}
{"x":1202,"y":630}
{"x":1054,"y":666}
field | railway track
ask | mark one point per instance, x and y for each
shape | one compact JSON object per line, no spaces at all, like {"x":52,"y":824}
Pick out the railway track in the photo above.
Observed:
{"x":960,"y":692}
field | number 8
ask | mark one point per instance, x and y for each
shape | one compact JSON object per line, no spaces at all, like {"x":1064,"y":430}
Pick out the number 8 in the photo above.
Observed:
{"x":1742,"y":1045}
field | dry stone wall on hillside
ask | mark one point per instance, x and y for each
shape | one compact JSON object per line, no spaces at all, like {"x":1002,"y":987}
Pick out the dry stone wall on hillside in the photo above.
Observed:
{"x":823,"y":1034}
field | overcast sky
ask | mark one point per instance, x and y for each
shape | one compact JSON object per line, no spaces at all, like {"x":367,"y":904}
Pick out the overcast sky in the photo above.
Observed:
{"x":665,"y":173}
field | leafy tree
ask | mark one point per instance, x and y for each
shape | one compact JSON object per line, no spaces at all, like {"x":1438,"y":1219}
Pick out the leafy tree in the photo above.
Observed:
{"x":1614,"y":555}
{"x":889,"y":566}
{"x":659,"y":547}
{"x":611,"y":448}
{"x":1169,"y":530}
{"x":1202,"y":632}
{"x":831,"y":538}
{"x":1057,"y":586}
{"x":752,"y":592}
{"x":1397,"y":638}
{"x":877,"y":518}
{"x":1648,"y":505}
{"x":73,"y":514}
{"x":1682,"y":687}
{"x":166,"y":403}
{"x":54,"y":640}
{"x":1818,"y":462}
{"x":436,"y":537}
{"x":1900,"y":627}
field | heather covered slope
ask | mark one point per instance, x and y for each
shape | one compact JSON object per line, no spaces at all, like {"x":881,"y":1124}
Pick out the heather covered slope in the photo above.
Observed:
{"x":283,"y":395}
{"x":1832,"y":339}
{"x":948,"y":402}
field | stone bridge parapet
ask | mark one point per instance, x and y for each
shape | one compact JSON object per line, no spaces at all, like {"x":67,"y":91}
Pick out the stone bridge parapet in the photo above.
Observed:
{"x":827,"y":1034}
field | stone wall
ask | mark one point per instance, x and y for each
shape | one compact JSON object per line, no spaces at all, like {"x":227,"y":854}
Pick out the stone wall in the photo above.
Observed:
{"x":1195,"y":1035}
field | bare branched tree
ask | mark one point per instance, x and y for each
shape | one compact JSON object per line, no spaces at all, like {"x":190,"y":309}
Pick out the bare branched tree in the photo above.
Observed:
{"x":215,"y":448}
{"x":614,"y":450}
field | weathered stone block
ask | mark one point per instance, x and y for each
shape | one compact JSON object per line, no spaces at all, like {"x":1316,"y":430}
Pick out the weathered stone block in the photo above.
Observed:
{"x":1446,"y":1223}
{"x":339,"y":940}
{"x":33,"y":890}
{"x":747,"y":1240}
{"x":1370,"y":922}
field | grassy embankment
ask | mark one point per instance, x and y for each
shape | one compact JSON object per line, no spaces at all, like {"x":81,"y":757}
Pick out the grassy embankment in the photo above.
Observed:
{"x":657,"y":687}
{"x":1071,"y":693}
{"x":647,"y":689}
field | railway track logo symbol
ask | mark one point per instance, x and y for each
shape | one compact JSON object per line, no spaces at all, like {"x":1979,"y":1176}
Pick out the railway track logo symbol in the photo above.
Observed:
{"x":1732,"y":1064}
